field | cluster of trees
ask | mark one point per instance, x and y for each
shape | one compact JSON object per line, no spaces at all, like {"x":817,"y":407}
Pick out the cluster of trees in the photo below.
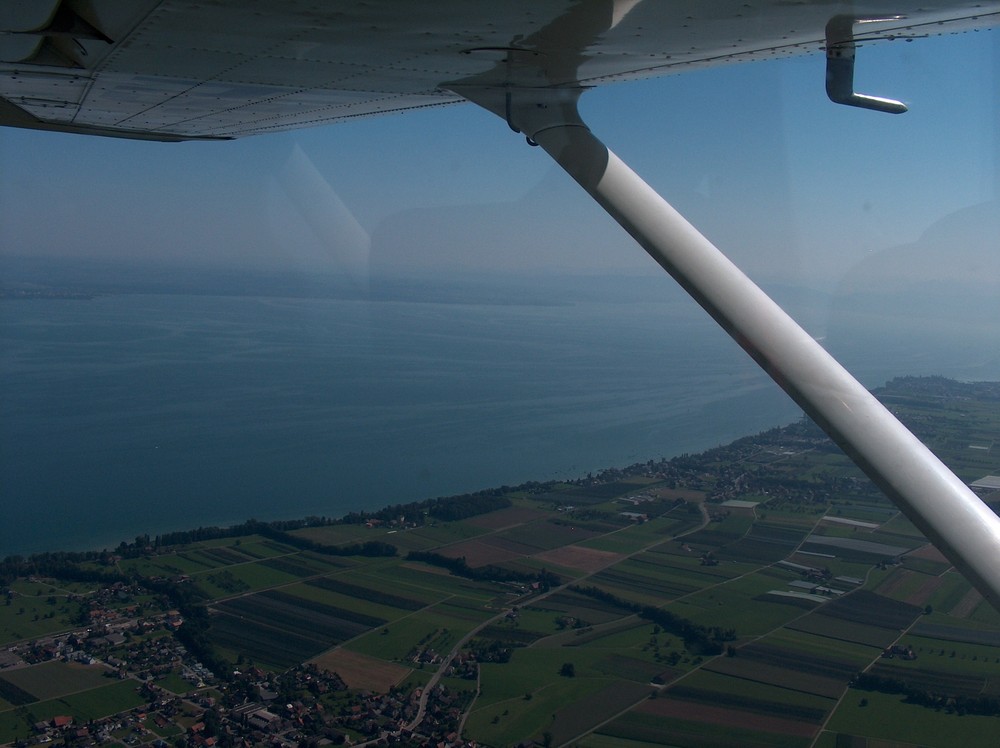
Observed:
{"x":698,"y":639}
{"x":984,"y":705}
{"x":445,"y":509}
{"x":45,"y":564}
{"x":494,"y":651}
{"x":488,"y":573}
{"x":194,"y":634}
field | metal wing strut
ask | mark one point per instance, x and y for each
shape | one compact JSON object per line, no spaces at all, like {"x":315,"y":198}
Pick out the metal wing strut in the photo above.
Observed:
{"x":927,"y":492}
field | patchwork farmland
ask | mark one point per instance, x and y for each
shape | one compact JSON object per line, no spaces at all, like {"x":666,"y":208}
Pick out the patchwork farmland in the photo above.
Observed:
{"x":759,"y":594}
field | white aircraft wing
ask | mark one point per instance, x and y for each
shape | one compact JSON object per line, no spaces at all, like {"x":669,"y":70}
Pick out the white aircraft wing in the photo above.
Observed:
{"x":186,"y":69}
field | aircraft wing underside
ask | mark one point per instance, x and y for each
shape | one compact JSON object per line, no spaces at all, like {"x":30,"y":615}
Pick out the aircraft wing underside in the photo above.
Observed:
{"x":180,"y":69}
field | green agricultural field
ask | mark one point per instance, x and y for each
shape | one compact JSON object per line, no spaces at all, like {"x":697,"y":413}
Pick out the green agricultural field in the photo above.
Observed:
{"x":174,"y":683}
{"x":316,"y":590}
{"x":616,"y":542}
{"x":517,"y":717}
{"x":256,"y":576}
{"x":596,"y":740}
{"x":39,"y":608}
{"x":736,"y":605}
{"x":954,"y":587}
{"x":650,"y":729}
{"x":532,"y":564}
{"x":623,"y":581}
{"x":594,"y":709}
{"x":784,"y":660}
{"x":799,"y":641}
{"x":886,"y":717}
{"x":631,"y":636}
{"x":744,"y":693}
{"x":92,"y":704}
{"x":926,"y":566}
{"x":408,"y":583}
{"x":52,"y":679}
{"x":535,"y":668}
{"x":408,"y":578}
{"x":14,"y":726}
{"x":542,"y":622}
{"x":985,"y":614}
{"x":433,"y":627}
{"x":340,"y":534}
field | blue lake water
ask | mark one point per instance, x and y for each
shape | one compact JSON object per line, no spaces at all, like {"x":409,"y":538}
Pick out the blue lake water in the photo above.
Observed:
{"x":129,"y":414}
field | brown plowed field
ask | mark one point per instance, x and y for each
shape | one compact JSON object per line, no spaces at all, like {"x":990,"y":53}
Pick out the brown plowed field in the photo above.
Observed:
{"x":361,"y":671}
{"x":929,"y":553}
{"x":676,"y":709}
{"x":575,"y":557}
{"x":922,"y":595}
{"x":478,"y":553}
{"x":966,"y":605}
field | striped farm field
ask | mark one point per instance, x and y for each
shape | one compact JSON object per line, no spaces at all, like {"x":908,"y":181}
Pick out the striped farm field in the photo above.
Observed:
{"x":653,"y":566}
{"x":311,"y":592}
{"x":281,"y":629}
{"x":859,"y":655}
{"x":872,"y":609}
{"x":753,"y":696}
{"x":299,"y":565}
{"x":833,"y":628}
{"x":808,"y":660}
{"x":754,"y":550}
{"x":925,"y":565}
{"x":810,"y":671}
{"x":967,"y":605}
{"x":225,"y":556}
{"x":547,"y":535}
{"x":366,"y":593}
{"x":639,"y":577}
{"x":912,"y":587}
{"x":721,"y":713}
{"x":776,"y":675}
{"x":683,"y":724}
{"x":270,"y":647}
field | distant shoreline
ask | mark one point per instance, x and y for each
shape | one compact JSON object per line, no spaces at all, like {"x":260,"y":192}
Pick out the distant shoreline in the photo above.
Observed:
{"x":909,"y":389}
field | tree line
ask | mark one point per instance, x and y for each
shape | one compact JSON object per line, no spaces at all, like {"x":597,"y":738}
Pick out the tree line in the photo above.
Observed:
{"x":487,"y":573}
{"x":984,"y":705}
{"x":698,"y":639}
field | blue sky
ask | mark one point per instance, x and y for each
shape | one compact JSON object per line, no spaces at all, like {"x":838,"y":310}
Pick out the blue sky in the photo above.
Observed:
{"x":794,"y":188}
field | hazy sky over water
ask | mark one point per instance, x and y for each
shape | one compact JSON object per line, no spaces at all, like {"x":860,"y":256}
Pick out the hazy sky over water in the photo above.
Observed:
{"x":794,"y":188}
